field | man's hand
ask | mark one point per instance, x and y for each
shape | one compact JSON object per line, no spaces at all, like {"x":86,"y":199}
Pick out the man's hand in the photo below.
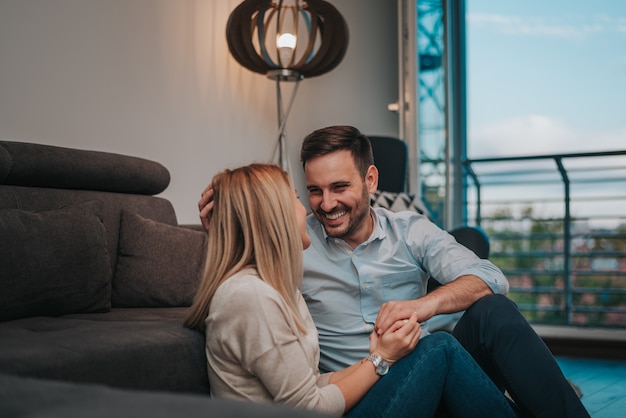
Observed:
{"x":398,"y":341}
{"x":391,"y":312}
{"x":452,"y":297}
{"x":205,"y":206}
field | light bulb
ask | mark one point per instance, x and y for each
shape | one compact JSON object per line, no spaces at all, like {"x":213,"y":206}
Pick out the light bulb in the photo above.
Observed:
{"x":286,"y":40}
{"x":286,"y":43}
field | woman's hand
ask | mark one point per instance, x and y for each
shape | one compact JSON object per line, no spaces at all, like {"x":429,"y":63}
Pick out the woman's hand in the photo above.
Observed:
{"x":396,"y":310}
{"x":205,"y":206}
{"x":398,"y":341}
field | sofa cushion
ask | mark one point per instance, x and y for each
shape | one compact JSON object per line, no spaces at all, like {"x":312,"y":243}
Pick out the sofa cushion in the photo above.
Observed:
{"x":53,"y":262}
{"x":157,"y":265}
{"x":397,"y":202}
{"x":36,"y":199}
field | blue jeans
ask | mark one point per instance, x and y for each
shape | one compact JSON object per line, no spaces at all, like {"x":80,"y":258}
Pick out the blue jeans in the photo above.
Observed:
{"x":439,"y":370}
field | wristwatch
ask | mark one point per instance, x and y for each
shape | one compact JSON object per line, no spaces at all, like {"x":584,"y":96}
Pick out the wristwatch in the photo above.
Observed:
{"x":381,"y":365}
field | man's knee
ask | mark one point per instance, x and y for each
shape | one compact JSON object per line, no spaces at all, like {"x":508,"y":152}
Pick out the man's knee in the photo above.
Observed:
{"x":490,"y":320}
{"x":492,"y":312}
{"x":492,"y":306}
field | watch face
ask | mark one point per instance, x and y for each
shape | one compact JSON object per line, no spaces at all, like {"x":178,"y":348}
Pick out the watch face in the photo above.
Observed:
{"x":380,"y":364}
{"x":382,"y":368}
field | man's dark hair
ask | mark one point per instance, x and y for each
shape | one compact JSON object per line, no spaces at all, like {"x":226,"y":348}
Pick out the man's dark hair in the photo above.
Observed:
{"x":335,"y":138}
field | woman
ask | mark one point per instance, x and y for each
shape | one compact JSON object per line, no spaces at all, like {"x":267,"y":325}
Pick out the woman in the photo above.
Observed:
{"x":261,"y":343}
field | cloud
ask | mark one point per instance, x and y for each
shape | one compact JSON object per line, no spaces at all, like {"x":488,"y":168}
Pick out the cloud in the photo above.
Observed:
{"x":618,"y":24}
{"x":491,"y":19}
{"x":537,"y":135}
{"x":550,"y":28}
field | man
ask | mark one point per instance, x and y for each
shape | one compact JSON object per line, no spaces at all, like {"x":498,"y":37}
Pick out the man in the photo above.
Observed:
{"x":367,"y":268}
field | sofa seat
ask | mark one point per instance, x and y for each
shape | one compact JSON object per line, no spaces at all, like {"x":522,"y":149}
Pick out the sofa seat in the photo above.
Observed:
{"x":145,"y":348}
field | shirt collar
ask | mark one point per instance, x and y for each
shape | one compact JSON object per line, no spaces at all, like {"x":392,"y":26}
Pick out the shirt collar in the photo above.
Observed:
{"x":378,"y":232}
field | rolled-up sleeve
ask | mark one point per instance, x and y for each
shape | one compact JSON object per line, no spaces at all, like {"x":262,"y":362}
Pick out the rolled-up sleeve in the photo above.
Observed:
{"x":446,"y":260}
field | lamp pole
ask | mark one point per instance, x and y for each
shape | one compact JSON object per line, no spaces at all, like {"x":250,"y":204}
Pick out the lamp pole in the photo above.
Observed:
{"x":284,"y":75}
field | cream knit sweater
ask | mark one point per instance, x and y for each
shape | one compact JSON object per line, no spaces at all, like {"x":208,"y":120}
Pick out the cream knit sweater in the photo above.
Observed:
{"x":255,"y":352}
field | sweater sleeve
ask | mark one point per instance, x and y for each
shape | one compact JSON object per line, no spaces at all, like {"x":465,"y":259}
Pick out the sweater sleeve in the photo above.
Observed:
{"x":250,"y":328}
{"x":292,"y":381}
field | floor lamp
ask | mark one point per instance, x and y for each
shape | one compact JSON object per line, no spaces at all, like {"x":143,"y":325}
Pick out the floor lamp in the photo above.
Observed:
{"x":287,"y":40}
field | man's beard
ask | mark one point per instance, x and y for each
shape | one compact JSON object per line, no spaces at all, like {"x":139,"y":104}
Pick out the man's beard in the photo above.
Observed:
{"x":357,"y":214}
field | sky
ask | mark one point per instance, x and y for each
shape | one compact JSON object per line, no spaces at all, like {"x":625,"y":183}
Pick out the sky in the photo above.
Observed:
{"x":545,"y":76}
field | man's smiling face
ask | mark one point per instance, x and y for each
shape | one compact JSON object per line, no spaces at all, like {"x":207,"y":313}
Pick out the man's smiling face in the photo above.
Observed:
{"x":339,"y":196}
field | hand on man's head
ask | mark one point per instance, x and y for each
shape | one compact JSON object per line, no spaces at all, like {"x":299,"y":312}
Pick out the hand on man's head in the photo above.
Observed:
{"x":205,"y":206}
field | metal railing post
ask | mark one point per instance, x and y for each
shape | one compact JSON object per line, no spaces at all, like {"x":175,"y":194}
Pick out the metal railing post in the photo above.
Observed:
{"x":470,"y":172}
{"x":567,"y":241}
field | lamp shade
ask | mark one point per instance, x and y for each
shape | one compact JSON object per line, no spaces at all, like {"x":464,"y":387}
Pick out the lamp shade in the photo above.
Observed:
{"x":291,"y":39}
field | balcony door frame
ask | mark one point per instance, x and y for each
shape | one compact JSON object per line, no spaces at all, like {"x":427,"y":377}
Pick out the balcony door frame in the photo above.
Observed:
{"x":453,"y":61}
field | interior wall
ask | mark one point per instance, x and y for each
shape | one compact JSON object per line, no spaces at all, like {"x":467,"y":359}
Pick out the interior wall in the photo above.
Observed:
{"x":154,"y":79}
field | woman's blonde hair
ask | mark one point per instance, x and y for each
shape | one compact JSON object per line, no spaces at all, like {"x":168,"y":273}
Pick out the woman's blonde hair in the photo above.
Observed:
{"x":252,"y":224}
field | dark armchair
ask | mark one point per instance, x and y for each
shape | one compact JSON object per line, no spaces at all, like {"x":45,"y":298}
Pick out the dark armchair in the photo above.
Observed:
{"x":391,"y":158}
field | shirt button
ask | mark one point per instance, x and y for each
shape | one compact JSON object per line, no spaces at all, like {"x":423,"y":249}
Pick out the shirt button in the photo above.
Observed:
{"x":366,"y":286}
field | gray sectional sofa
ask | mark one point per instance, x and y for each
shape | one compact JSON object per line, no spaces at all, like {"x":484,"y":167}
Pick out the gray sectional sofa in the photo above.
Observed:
{"x":95,"y":279}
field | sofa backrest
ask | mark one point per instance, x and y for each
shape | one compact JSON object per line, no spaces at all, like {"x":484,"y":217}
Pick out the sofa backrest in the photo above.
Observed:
{"x":35,"y":177}
{"x":81,"y":231}
{"x":37,"y":165}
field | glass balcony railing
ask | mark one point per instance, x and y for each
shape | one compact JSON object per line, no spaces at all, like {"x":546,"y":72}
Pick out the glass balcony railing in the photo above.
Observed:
{"x":557,"y":227}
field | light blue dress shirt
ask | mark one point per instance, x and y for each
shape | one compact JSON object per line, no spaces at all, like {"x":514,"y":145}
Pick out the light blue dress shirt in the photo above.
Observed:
{"x":344,"y":288}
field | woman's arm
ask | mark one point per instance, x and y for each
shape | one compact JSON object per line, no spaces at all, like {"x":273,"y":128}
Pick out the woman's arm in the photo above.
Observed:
{"x":257,"y":353}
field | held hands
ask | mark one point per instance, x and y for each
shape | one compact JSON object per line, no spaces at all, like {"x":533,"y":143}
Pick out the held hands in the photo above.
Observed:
{"x":398,"y":341}
{"x":394,"y":311}
{"x":205,"y":206}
